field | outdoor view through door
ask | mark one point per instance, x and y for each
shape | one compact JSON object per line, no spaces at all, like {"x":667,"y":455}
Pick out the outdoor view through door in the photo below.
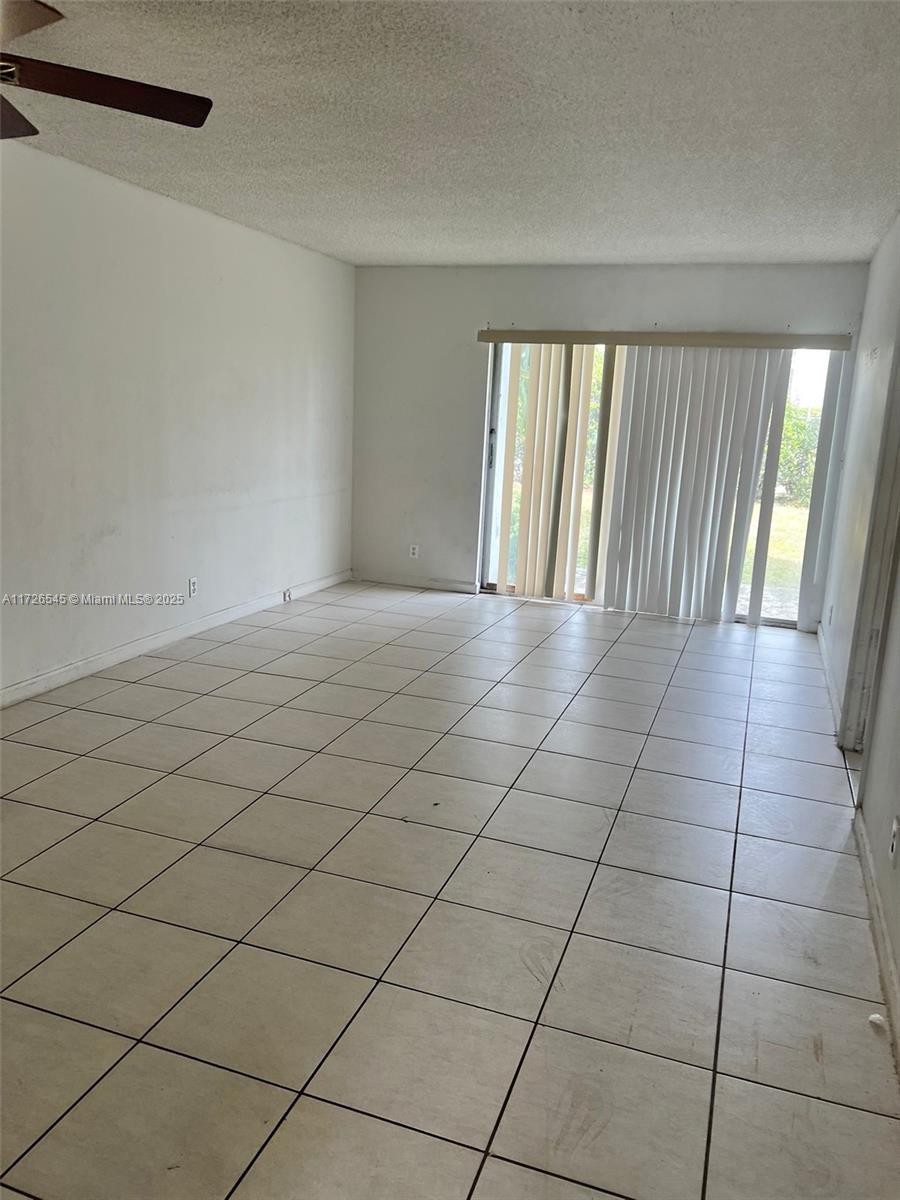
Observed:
{"x":684,"y":480}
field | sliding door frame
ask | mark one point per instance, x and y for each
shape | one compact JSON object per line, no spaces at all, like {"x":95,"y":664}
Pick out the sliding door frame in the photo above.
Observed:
{"x":500,"y":436}
{"x":767,"y":498}
{"x":873,"y":606}
{"x":559,"y":461}
{"x":823,"y":498}
{"x":600,"y":455}
{"x":492,"y":425}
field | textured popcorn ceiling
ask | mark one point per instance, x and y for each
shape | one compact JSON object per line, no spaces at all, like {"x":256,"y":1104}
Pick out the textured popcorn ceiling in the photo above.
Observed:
{"x":505,"y":132}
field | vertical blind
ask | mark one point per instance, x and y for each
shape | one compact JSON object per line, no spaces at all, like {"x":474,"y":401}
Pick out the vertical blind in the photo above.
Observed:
{"x":692,"y":428}
{"x":672,"y":444}
{"x":544,"y":437}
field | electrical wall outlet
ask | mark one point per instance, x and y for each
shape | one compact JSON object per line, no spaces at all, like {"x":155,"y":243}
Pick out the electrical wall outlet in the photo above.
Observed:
{"x":413,"y":550}
{"x":286,"y":595}
{"x":895,"y":838}
{"x":192,"y":586}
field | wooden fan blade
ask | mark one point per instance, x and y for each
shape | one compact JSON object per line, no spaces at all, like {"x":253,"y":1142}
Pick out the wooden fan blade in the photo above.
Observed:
{"x":21,"y":16}
{"x":12,"y":123}
{"x":109,"y":91}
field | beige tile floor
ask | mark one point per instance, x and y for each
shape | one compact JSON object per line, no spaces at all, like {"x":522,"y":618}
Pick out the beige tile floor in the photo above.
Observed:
{"x":396,"y":895}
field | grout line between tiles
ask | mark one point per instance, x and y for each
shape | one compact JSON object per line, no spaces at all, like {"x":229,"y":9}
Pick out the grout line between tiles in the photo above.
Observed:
{"x":420,"y":992}
{"x":435,"y":668}
{"x":424,"y":895}
{"x":379,"y":981}
{"x":195,"y":984}
{"x":555,"y":1175}
{"x":721,"y":1003}
{"x":548,"y":992}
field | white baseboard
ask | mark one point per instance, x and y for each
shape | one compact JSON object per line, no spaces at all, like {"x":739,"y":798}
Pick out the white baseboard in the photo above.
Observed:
{"x":884,"y":950}
{"x":47,"y":680}
{"x":416,"y":581}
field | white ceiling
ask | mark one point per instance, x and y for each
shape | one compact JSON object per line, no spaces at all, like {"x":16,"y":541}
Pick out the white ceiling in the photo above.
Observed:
{"x":505,"y":132}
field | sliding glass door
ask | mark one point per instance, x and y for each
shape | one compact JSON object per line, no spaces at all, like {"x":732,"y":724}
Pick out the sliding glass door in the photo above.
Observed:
{"x":543,"y":462}
{"x":682,"y":480}
{"x":796,"y":487}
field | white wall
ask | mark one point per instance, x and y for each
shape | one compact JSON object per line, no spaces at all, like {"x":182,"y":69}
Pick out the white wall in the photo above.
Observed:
{"x":881,"y":797}
{"x":878,"y":344}
{"x":421,"y":377}
{"x":177,"y":400}
{"x":876,"y":387}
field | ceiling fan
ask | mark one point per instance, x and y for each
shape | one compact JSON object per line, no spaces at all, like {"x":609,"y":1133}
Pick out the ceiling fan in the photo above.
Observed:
{"x":109,"y":91}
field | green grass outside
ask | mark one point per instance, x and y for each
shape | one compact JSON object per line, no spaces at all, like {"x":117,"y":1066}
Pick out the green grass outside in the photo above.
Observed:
{"x":587,"y":502}
{"x":786,"y":542}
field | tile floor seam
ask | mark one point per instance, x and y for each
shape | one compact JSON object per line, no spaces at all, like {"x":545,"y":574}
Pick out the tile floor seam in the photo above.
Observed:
{"x":555,"y":1175}
{"x":324,"y":1058}
{"x":192,"y":697}
{"x":141,"y":1039}
{"x":275,"y":658}
{"x":92,"y":820}
{"x":18,"y":1192}
{"x":552,"y":981}
{"x":380,"y":981}
{"x":174,"y":771}
{"x":736,"y":834}
{"x":721,"y":1001}
{"x":424,"y":896}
